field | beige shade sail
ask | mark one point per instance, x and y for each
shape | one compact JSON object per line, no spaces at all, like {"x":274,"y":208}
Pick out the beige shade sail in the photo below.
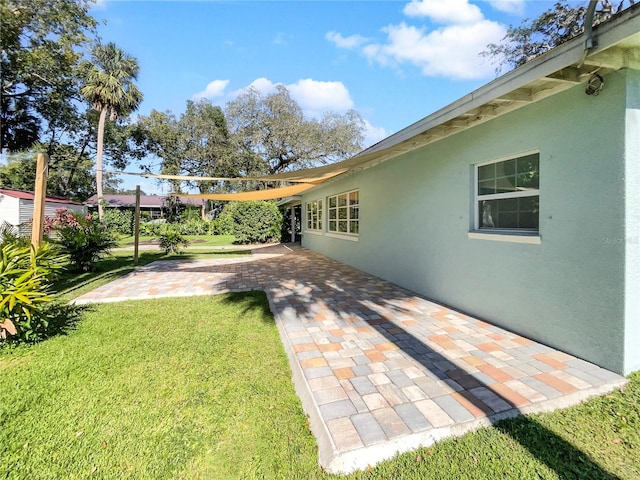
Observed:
{"x":311,"y":175}
{"x":305,"y":179}
{"x":270,"y":194}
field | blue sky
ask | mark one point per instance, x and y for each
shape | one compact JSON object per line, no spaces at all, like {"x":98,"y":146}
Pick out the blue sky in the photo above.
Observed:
{"x":393,"y":61}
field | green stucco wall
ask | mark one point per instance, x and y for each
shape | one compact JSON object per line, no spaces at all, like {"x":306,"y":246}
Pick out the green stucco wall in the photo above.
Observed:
{"x":567,"y":292}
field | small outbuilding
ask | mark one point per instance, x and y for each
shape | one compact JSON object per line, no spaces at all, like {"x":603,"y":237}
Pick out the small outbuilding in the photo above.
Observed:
{"x":16,"y":208}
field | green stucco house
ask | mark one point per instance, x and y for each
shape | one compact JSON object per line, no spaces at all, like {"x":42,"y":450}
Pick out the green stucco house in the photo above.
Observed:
{"x":518,"y":204}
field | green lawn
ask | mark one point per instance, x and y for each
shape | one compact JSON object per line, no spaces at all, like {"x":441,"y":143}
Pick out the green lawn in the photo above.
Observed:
{"x":196,"y":240}
{"x":199,"y":387}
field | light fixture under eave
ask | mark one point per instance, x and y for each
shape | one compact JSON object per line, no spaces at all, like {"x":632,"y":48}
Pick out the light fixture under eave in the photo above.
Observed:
{"x":594,"y":85}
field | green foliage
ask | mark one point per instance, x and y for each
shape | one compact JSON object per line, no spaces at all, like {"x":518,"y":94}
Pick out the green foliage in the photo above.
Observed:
{"x":254,"y":222}
{"x":273,"y":127}
{"x":171,"y":240}
{"x":151,"y":228}
{"x":198,"y":143}
{"x":41,"y":44}
{"x":27,"y":312}
{"x":551,"y":28}
{"x":194,"y":226}
{"x":173,"y":208}
{"x":119,"y":221}
{"x":11,"y":235}
{"x":84,"y":238}
{"x":223,"y":225}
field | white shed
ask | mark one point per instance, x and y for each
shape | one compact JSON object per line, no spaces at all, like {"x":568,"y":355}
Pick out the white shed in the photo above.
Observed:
{"x":16,"y":208}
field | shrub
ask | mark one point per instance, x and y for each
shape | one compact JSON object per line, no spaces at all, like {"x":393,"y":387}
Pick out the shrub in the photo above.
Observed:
{"x":27,"y":310}
{"x":119,"y":221}
{"x":171,"y":240}
{"x":84,"y":238}
{"x":11,"y":235}
{"x":152,"y":228}
{"x":255,"y":221}
{"x":194,"y":226}
{"x":223,"y":225}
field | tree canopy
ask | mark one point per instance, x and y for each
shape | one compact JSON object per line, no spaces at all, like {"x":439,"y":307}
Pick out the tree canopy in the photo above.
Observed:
{"x":198,"y":143}
{"x":551,"y":28}
{"x":274,"y":128}
{"x":41,"y":42}
{"x":69,"y":176}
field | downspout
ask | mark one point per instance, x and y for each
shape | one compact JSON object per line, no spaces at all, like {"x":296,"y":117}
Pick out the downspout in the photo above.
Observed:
{"x":588,"y":29}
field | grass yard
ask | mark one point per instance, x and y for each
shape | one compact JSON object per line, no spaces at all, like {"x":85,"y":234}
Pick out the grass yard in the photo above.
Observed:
{"x":196,"y":240}
{"x":175,"y":388}
{"x":200,"y":388}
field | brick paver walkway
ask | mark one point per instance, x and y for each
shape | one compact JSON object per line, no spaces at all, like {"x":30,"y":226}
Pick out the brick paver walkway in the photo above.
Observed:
{"x":379,"y":369}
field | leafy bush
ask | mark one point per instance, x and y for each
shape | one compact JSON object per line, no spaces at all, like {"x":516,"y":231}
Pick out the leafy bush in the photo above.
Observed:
{"x":27,"y":310}
{"x":194,"y":226}
{"x":254,"y":222}
{"x":152,"y":228}
{"x":118,"y":221}
{"x":171,"y":240}
{"x":223,"y":225}
{"x":84,"y":238}
{"x":11,"y":235}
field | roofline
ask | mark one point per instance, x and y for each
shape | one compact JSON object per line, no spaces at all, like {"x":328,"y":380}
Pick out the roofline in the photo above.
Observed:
{"x":49,"y":199}
{"x":605,"y":35}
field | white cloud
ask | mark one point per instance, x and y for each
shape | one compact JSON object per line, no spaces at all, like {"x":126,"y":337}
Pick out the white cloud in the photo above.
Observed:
{"x":352,"y":41}
{"x":515,"y":7}
{"x":282,"y":39}
{"x":373,"y":135}
{"x":316,"y":97}
{"x":444,"y":11}
{"x":262,"y":85}
{"x":451,"y":51}
{"x":214,"y":89}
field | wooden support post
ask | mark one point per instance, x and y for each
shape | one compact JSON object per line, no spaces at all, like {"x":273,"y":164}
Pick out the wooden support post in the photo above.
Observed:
{"x":136,"y":226}
{"x":39,"y":199}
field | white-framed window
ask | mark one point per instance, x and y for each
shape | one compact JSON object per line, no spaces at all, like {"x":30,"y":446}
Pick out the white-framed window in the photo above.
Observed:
{"x":344,"y":213}
{"x":314,"y":215}
{"x":507,"y":196}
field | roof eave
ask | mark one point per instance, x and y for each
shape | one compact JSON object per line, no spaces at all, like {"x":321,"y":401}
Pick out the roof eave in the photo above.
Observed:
{"x":571,"y":53}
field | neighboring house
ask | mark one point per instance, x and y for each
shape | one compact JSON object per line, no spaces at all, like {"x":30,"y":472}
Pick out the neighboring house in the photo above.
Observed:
{"x":519,"y":203}
{"x":152,"y":204}
{"x":16,"y":208}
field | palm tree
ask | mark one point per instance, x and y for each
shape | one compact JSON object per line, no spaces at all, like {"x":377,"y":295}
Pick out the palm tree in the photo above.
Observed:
{"x":108,"y":86}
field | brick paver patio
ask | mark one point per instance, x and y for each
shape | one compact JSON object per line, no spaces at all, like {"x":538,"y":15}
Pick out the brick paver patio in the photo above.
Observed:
{"x":379,"y":369}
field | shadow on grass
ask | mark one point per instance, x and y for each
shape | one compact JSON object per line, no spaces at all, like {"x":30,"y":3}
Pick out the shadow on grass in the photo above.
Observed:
{"x":55,"y":319}
{"x":562,"y":457}
{"x":249,"y":302}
